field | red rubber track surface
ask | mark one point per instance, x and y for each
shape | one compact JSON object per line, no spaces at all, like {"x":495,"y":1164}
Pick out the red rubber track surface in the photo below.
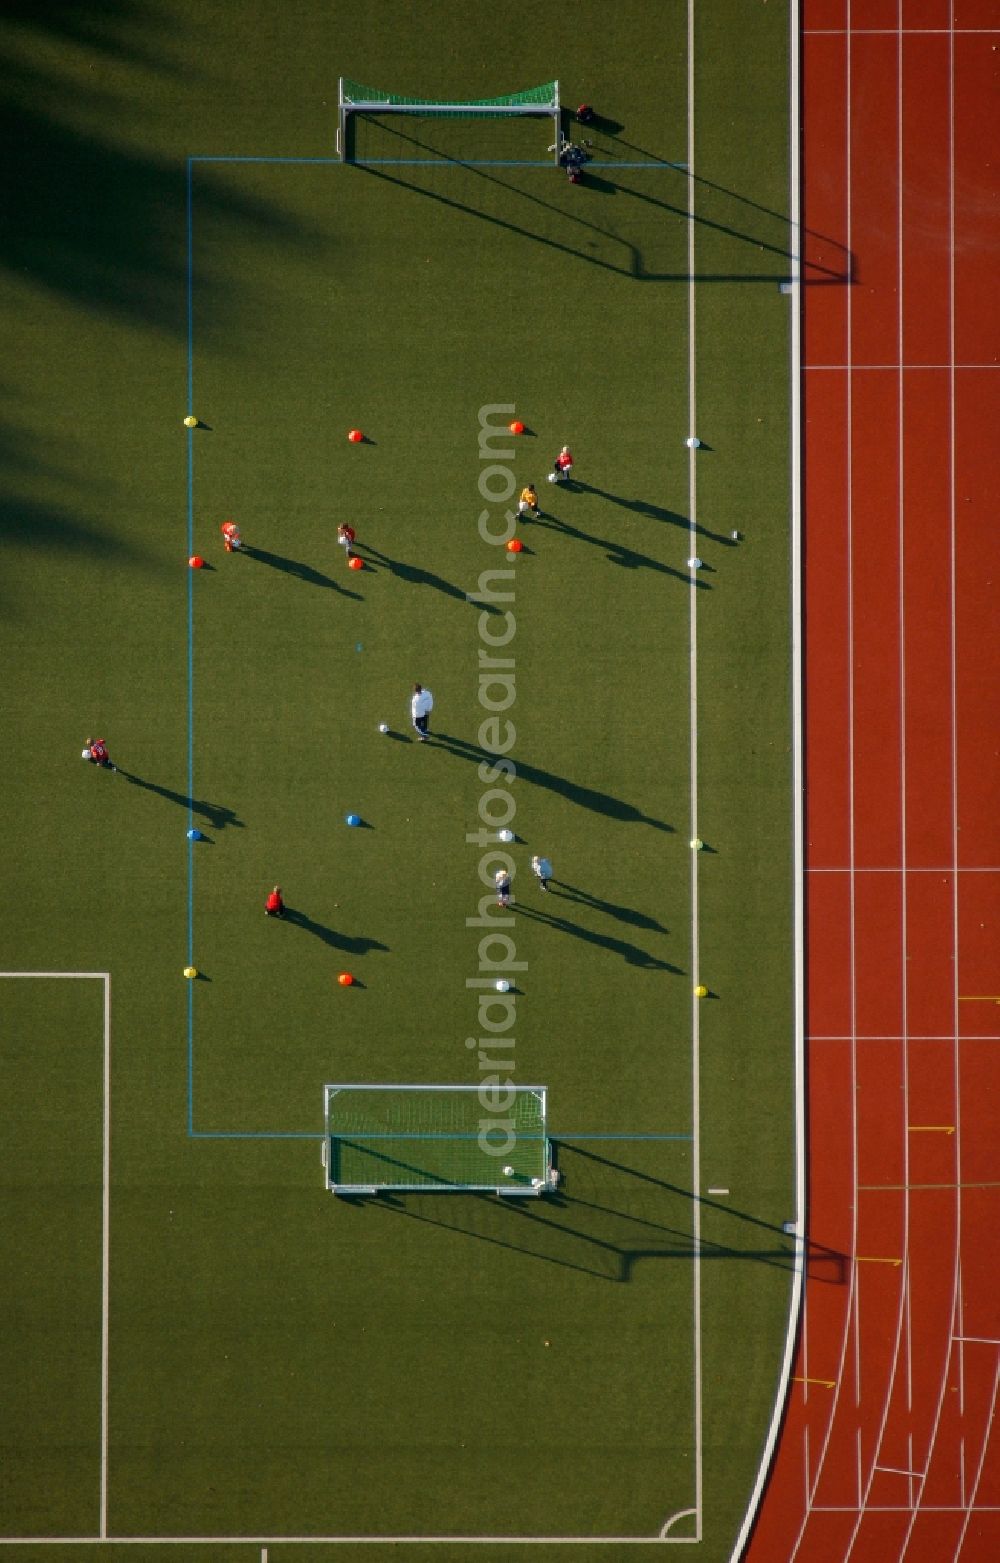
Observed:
{"x":886,"y":1451}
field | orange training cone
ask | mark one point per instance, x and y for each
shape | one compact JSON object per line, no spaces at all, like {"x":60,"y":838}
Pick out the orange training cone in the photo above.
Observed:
{"x":515,"y":545}
{"x":355,"y":436}
{"x":517,"y":427}
{"x":196,"y":562}
{"x":355,"y":563}
{"x":345,"y":979}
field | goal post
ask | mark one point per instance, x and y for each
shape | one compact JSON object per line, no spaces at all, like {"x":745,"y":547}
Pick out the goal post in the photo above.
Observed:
{"x":485,"y":1139}
{"x":353,"y":97}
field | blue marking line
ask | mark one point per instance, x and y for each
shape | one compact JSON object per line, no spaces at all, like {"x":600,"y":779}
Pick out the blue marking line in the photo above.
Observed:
{"x":253,"y":1134}
{"x":499,"y":162}
{"x":303,"y":1134}
{"x":239,"y":1134}
{"x":436,"y":162}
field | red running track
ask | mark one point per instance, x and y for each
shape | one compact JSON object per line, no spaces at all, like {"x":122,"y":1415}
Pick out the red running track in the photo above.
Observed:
{"x":886,"y":1451}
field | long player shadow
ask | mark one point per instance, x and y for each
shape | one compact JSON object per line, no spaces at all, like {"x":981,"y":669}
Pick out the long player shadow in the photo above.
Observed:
{"x":217,"y":815}
{"x":624,"y":914}
{"x":416,"y":575}
{"x":645,"y":507}
{"x":617,"y":553}
{"x":575,"y":792}
{"x":630,"y":952}
{"x":296,"y":567}
{"x":352,"y":944}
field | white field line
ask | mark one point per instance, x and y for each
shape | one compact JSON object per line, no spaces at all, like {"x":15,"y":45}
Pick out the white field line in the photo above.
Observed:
{"x":904,"y":1508}
{"x":693,"y":730}
{"x":892,"y":368}
{"x":851,"y":1322}
{"x":796,"y":1309}
{"x":889,"y":868}
{"x":351,"y":1541}
{"x":105,"y":978}
{"x":876,"y":32}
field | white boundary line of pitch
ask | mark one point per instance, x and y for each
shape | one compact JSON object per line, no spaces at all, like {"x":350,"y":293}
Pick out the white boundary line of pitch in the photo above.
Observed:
{"x":105,"y":978}
{"x":796,"y":1301}
{"x":693,"y":769}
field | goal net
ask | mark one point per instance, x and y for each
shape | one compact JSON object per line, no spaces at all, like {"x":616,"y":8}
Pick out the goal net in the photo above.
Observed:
{"x":427,"y":1138}
{"x":355,"y":98}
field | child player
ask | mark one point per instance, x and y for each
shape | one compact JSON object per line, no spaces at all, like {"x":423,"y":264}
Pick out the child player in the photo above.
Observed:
{"x":232,"y":537}
{"x":98,"y":754}
{"x":527,"y":505}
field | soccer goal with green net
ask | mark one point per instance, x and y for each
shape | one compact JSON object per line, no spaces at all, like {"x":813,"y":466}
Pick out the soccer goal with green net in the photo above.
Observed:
{"x":437,"y":1138}
{"x":355,"y":98}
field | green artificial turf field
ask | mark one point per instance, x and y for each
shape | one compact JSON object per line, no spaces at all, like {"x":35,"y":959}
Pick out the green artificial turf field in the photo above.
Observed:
{"x":200,"y":1341}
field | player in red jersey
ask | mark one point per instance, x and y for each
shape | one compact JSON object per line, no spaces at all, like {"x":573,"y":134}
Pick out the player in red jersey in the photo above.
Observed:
{"x":274,"y":906}
{"x":346,"y":536}
{"x":232,"y":536}
{"x":98,"y":754}
{"x":562,"y":467}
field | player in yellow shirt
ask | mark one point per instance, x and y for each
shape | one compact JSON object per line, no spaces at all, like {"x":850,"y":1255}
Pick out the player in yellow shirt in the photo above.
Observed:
{"x":527,"y":505}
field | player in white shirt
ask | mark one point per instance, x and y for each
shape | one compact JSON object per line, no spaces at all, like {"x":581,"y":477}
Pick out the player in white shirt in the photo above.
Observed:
{"x":421,"y":706}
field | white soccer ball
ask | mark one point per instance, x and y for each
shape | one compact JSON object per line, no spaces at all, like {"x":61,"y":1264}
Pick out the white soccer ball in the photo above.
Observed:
{"x":505,"y":835}
{"x":383,"y":727}
{"x":553,"y":477}
{"x":85,"y":755}
{"x":508,"y":1171}
{"x":502,"y":985}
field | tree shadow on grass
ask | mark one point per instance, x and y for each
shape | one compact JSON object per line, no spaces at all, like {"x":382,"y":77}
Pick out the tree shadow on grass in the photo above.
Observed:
{"x":629,"y":952}
{"x":86,"y":215}
{"x":217,"y":815}
{"x":415,"y":575}
{"x":351,"y":944}
{"x":24,"y":523}
{"x":586,"y":797}
{"x":302,"y":572}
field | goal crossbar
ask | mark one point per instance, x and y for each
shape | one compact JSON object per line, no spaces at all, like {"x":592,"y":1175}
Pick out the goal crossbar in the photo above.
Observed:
{"x":355,"y":98}
{"x":436,"y":1138}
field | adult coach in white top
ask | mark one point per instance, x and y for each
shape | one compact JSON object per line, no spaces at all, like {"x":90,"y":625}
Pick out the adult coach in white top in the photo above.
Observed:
{"x":421,"y":706}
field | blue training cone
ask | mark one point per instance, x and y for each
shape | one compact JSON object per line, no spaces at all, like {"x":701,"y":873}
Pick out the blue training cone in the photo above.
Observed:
{"x":354,"y":819}
{"x":195,"y":835}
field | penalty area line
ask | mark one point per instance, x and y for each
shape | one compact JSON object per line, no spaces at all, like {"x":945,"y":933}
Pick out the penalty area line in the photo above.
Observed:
{"x":105,"y":978}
